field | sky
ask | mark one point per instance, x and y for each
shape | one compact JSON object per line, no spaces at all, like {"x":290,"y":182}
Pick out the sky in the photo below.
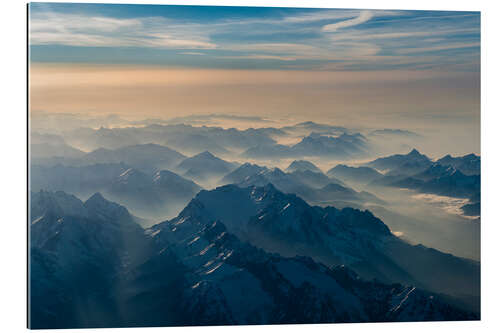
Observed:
{"x":254,"y":38}
{"x":405,"y":69}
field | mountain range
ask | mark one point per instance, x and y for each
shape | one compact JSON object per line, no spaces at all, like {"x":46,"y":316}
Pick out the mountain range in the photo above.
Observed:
{"x":93,"y":266}
{"x":314,"y":187}
{"x":286,"y":224}
{"x":399,"y":164}
{"x":187,"y":138}
{"x":308,"y":127}
{"x":444,"y":177}
{"x":205,"y":166}
{"x":469,"y":164}
{"x":442,"y":180}
{"x":150,"y":195}
{"x":152,"y":224}
{"x":314,"y":144}
{"x":362,"y":175}
{"x":145,"y":157}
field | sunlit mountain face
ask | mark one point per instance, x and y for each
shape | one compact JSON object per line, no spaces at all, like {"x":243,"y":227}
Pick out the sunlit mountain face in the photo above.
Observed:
{"x":234,"y":166}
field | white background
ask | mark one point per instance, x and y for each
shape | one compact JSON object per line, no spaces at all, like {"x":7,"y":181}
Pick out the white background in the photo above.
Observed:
{"x":13,"y":166}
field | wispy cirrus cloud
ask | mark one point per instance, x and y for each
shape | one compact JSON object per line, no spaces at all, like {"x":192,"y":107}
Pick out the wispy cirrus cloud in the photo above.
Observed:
{"x":363,"y":17}
{"x":260,"y":57}
{"x":99,"y":31}
{"x":438,"y":48}
{"x":193,"y":53}
{"x":349,"y":39}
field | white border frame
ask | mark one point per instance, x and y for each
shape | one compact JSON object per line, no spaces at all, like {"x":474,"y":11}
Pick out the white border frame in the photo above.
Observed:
{"x":13,"y":140}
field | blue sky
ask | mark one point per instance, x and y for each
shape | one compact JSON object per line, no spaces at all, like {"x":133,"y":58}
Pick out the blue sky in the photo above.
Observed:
{"x":255,"y":38}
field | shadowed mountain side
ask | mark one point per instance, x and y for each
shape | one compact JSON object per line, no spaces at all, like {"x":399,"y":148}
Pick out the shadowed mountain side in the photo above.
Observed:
{"x":205,"y":168}
{"x":232,"y":282}
{"x":363,"y":175}
{"x":44,"y":151}
{"x":399,"y":164}
{"x":315,"y":144}
{"x":145,"y":157}
{"x":241,"y":173}
{"x":186,"y":138}
{"x":439,"y":180}
{"x":286,"y":224}
{"x":161,"y":195}
{"x":314,"y":187}
{"x":469,"y":164}
{"x":95,"y":267}
{"x":76,"y":251}
{"x":302,"y":165}
{"x":81,"y":181}
{"x":153,"y":196}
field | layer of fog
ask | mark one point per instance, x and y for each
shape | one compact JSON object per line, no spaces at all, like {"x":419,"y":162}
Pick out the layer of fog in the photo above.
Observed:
{"x":431,"y":220}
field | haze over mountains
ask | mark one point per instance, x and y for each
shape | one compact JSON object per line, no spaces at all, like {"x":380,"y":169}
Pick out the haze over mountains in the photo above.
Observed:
{"x":310,"y":139}
{"x":195,"y":270}
{"x":181,"y":224}
{"x":150,"y":195}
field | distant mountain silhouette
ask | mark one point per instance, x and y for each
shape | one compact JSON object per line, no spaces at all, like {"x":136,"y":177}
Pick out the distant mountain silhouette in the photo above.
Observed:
{"x":302,"y":165}
{"x":204,"y":166}
{"x":150,"y":195}
{"x":315,"y":144}
{"x":469,"y":164}
{"x":354,"y":174}
{"x":399,"y":164}
{"x":145,"y":157}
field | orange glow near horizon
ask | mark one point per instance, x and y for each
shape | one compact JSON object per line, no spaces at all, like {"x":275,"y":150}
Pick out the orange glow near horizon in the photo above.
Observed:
{"x":389,"y":98}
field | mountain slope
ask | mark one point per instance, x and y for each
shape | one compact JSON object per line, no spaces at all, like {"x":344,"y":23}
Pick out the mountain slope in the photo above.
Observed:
{"x":44,"y":151}
{"x":244,"y":285}
{"x":302,"y":165}
{"x":204,"y":166}
{"x":469,"y":164}
{"x":241,"y":173}
{"x":399,"y":164}
{"x":313,"y":187}
{"x":314,"y":144}
{"x":82,"y":181}
{"x":439,"y":180}
{"x":286,"y":224}
{"x":343,"y":145}
{"x":146,"y":157}
{"x":354,"y":174}
{"x":76,"y":250}
{"x":95,"y":267}
{"x":182,"y":137}
{"x":159,"y":195}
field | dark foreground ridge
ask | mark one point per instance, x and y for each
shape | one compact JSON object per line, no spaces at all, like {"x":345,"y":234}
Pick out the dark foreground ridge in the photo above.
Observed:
{"x":93,"y":266}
